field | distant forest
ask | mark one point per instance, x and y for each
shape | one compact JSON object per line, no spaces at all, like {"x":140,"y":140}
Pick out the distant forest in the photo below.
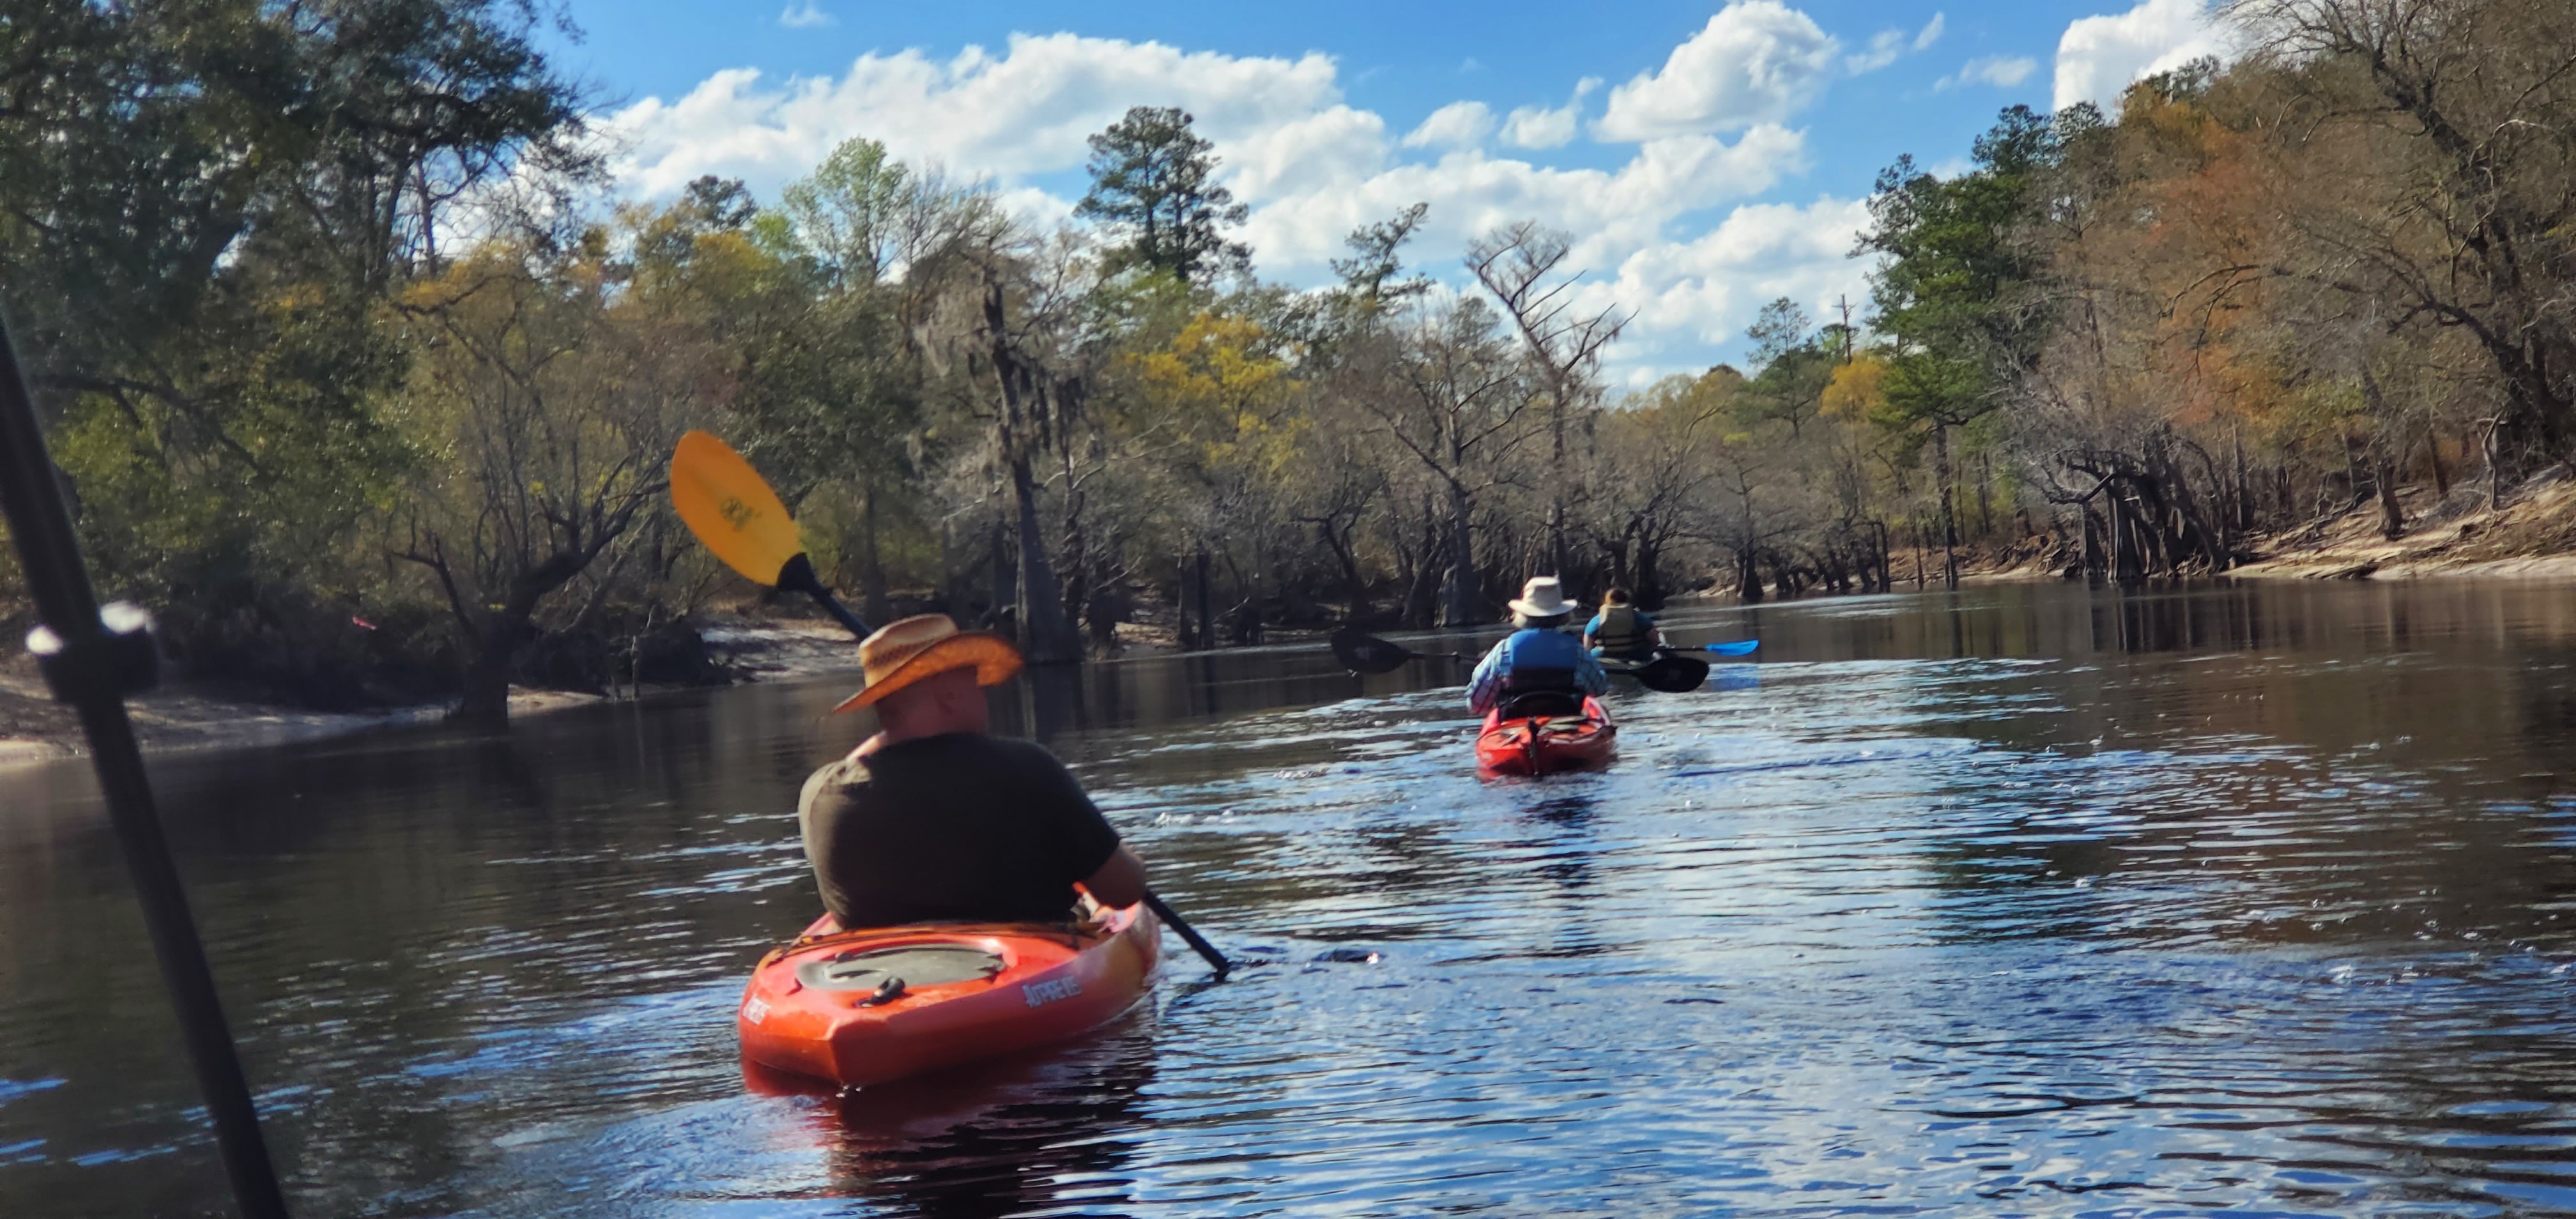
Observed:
{"x":353,"y":389}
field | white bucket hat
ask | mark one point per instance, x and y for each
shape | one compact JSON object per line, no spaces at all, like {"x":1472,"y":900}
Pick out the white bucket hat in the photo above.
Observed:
{"x":1543,"y":597}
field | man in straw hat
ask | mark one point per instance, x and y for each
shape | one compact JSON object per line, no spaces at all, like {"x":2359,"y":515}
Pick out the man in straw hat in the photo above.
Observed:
{"x":934,"y":818}
{"x":1539,"y":657}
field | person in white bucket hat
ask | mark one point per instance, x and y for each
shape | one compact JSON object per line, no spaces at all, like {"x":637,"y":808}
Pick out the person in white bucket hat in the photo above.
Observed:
{"x":1539,"y":658}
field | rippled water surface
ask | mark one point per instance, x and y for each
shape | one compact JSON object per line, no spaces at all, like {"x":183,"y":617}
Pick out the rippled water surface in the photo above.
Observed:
{"x":2029,"y":901}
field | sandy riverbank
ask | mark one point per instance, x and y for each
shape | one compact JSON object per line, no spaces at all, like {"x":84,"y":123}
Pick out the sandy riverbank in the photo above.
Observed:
{"x":36,"y":729}
{"x":2531,"y":536}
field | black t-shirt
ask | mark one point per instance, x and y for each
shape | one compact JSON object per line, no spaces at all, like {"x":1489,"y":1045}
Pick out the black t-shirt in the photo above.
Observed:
{"x":962,"y":826}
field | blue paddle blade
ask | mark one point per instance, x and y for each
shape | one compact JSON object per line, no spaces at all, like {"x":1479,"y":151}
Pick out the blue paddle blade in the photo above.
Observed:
{"x":1741,"y":647}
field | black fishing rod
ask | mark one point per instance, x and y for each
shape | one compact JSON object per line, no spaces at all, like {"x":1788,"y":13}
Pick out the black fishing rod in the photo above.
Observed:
{"x":93,"y":659}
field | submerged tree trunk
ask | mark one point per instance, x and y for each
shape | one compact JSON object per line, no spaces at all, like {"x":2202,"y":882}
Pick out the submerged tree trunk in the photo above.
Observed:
{"x":1464,"y":605}
{"x":1425,"y":560}
{"x":1883,"y":542}
{"x":1207,"y":601}
{"x":1354,"y":585}
{"x":2094,"y":565}
{"x":1046,"y":635}
{"x":2243,"y":516}
{"x":1106,"y":608}
{"x":2127,"y":548}
{"x":1949,"y":510}
{"x":1985,"y":495}
{"x":1921,"y":561}
{"x":485,"y":698}
{"x":498,"y":632}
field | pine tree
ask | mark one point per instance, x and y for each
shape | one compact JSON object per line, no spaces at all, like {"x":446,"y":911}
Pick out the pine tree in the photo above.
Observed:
{"x":1150,"y":183}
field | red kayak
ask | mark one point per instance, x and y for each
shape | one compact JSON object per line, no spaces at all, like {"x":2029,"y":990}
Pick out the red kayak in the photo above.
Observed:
{"x":863,"y":1007}
{"x":1546,"y":743}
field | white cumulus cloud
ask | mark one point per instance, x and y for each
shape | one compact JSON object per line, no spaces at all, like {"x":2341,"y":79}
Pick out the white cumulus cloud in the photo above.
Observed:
{"x":2098,"y":57}
{"x":1885,"y":48}
{"x":1023,"y":112}
{"x":2001,"y":71}
{"x":1703,"y":291}
{"x":1610,"y":212}
{"x":806,"y":16}
{"x":1312,"y":168}
{"x":1456,"y":125}
{"x":1757,"y":61}
{"x":1338,"y":144}
{"x":1888,"y":46}
{"x":1548,"y":127}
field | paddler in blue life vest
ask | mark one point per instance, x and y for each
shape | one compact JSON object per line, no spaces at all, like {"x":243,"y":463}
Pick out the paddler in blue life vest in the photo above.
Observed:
{"x":1621,"y":631}
{"x":1540,"y":657}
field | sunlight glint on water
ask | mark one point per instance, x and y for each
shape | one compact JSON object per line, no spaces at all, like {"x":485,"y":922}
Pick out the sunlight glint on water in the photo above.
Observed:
{"x":2046,"y":904}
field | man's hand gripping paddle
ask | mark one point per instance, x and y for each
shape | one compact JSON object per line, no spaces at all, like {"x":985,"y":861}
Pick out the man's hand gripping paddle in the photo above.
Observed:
{"x":733,"y":511}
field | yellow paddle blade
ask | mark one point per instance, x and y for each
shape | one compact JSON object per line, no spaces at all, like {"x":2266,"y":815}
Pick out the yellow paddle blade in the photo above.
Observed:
{"x":731,"y":508}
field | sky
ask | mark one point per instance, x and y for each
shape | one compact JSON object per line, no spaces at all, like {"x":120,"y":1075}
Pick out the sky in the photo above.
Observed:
{"x":1708,"y":156}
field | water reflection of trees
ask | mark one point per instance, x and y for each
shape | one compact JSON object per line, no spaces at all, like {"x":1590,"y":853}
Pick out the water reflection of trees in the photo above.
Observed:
{"x":404,"y":926}
{"x":2052,"y":620}
{"x":2364,"y":777}
{"x":2339,"y":766}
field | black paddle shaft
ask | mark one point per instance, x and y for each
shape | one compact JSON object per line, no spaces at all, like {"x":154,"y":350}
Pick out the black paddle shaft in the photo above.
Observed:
{"x":1207,"y":952}
{"x":798,"y":577}
{"x":93,"y":664}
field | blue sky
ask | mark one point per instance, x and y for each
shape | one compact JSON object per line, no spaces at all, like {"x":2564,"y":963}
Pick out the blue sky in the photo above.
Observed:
{"x":1707,"y":155}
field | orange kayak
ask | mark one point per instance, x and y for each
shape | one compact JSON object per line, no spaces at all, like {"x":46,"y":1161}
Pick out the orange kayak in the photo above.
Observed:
{"x":863,"y":1007}
{"x":1544,"y":744}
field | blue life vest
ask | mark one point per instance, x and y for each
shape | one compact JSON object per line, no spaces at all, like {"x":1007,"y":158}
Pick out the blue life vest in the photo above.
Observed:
{"x":1540,"y":659}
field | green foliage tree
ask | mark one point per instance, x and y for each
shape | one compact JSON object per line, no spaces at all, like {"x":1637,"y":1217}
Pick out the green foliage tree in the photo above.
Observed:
{"x":1955,"y":293}
{"x":1153,"y":185}
{"x":1796,"y":364}
{"x":1373,"y":278}
{"x":203,"y":211}
{"x":309,"y":285}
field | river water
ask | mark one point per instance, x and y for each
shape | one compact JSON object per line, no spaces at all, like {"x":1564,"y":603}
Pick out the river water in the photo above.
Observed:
{"x":2026,"y":900}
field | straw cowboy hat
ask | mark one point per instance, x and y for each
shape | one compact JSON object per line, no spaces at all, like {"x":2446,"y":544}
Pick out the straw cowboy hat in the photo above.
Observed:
{"x":1543,"y":597}
{"x":908,"y":649}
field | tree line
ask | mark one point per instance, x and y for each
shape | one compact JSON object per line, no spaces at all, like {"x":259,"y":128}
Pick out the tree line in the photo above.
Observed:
{"x":354,"y":384}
